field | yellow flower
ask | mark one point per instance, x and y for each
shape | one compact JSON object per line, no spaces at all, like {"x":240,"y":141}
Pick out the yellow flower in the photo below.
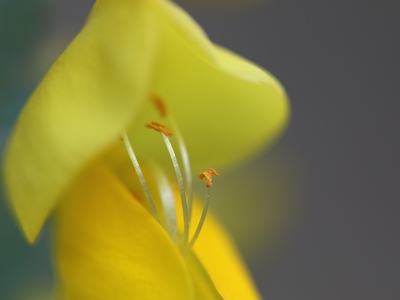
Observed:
{"x":65,"y":152}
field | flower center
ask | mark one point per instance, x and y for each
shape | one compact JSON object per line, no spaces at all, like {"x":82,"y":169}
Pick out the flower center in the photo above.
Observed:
{"x":184,"y":183}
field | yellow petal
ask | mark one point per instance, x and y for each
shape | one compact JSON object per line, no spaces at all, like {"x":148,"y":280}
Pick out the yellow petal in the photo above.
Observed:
{"x":219,"y":259}
{"x":219,"y":256}
{"x":227,"y":108}
{"x":109,"y":247}
{"x":89,"y":95}
{"x":203,"y":286}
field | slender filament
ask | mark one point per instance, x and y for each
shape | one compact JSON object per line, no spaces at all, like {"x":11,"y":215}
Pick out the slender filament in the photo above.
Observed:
{"x":202,"y":218}
{"x":167,"y":201}
{"x":140,"y":175}
{"x":186,"y":163}
{"x":181,"y":189}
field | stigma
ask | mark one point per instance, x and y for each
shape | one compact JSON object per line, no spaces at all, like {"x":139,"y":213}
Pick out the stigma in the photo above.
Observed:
{"x":208,"y":176}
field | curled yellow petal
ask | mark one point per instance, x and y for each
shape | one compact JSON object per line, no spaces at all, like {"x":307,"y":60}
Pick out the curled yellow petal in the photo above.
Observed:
{"x":91,"y":93}
{"x":227,"y":108}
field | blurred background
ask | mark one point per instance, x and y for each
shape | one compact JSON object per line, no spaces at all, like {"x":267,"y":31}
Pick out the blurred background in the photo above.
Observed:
{"x":317,"y":216}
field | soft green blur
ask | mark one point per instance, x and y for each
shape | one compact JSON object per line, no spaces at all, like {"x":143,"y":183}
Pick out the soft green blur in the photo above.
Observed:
{"x":260,"y":202}
{"x":23,"y":269}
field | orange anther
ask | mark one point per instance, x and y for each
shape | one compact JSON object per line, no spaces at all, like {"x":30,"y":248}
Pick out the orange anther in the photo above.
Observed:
{"x":160,"y":128}
{"x":208,"y":176}
{"x":159,"y":104}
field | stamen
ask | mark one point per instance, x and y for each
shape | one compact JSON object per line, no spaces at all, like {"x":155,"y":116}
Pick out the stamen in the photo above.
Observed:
{"x":142,"y":180}
{"x":179,"y":178}
{"x":162,"y":109}
{"x":186,"y":221}
{"x":186,"y":165}
{"x":208,"y":176}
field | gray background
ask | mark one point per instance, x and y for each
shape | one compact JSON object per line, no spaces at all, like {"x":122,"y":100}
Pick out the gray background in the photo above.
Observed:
{"x":339,"y":61}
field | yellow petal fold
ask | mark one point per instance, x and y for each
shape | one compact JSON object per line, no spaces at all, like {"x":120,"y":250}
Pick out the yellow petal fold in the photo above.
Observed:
{"x":109,"y":247}
{"x":90,"y":94}
{"x":227,"y":108}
